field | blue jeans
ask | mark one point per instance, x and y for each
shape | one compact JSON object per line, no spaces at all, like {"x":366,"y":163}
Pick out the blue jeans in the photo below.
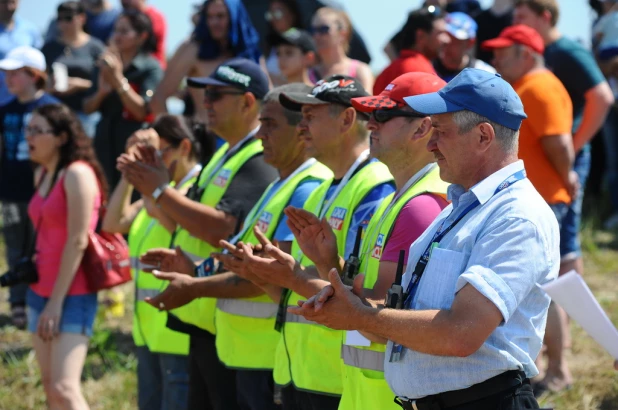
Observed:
{"x":17,"y":230}
{"x":162,"y":380}
{"x":78,"y":312}
{"x":570,"y":246}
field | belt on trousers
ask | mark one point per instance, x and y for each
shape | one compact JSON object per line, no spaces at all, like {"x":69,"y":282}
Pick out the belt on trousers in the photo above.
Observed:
{"x":490,"y":387}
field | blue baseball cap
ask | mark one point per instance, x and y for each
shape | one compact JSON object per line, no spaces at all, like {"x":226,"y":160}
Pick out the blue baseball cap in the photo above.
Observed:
{"x":237,"y":72}
{"x":478,"y":91}
{"x":460,"y":25}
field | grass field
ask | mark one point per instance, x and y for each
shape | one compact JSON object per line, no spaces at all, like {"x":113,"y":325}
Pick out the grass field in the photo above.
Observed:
{"x":109,"y":380}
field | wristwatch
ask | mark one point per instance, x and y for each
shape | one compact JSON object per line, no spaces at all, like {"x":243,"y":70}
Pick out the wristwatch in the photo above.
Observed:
{"x":156,"y":194}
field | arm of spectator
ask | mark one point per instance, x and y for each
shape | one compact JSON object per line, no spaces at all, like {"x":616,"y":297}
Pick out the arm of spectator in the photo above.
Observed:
{"x":120,"y":212}
{"x":178,"y":67}
{"x":559,"y":151}
{"x":103,"y":89}
{"x":599,"y":99}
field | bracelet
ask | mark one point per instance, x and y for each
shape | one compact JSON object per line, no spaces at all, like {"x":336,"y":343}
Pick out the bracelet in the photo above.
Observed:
{"x":124,"y":87}
{"x":156,"y":194}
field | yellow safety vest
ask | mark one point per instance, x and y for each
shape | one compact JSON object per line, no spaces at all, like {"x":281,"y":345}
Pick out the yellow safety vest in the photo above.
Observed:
{"x":313,"y":350}
{"x":214,"y":181}
{"x":246,"y":337}
{"x":148,"y":322}
{"x":364,"y":385}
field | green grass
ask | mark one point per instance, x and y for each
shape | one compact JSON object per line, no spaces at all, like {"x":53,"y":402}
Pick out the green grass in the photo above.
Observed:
{"x":109,"y":380}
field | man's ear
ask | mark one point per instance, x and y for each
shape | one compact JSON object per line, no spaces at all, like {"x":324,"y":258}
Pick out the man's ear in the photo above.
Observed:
{"x":423,"y":130}
{"x":486,"y":136}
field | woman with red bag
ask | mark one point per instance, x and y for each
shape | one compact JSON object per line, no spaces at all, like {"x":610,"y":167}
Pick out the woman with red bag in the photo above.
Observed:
{"x":64,"y":209}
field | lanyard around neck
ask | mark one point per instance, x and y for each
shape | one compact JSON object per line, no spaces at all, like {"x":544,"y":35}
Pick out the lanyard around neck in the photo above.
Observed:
{"x":229,"y":154}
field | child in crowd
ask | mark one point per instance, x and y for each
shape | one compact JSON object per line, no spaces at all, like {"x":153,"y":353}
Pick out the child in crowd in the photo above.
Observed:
{"x":296,"y":53}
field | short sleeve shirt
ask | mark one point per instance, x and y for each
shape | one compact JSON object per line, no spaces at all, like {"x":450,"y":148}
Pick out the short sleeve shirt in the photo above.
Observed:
{"x":548,"y":106}
{"x":576,"y":68}
{"x":408,"y":61}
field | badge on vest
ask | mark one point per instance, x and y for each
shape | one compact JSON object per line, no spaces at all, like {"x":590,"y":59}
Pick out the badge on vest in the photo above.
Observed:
{"x":222,"y":177}
{"x":336,"y":219}
{"x":264,"y":222}
{"x":377,"y":249}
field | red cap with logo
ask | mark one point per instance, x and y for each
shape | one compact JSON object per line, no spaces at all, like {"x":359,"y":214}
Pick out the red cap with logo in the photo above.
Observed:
{"x":517,"y":34}
{"x":403,"y":86}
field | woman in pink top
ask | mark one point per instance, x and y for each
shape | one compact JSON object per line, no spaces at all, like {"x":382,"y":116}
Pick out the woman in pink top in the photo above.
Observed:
{"x":65,"y":206}
{"x":332,"y":32}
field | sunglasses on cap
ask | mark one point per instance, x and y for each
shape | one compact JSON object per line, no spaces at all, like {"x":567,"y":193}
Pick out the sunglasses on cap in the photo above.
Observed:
{"x":382,"y":116}
{"x":215,"y":94}
{"x":432,"y":10}
{"x":273,"y":15}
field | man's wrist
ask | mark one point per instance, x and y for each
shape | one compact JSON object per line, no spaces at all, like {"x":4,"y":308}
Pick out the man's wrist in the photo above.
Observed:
{"x":158,"y":192}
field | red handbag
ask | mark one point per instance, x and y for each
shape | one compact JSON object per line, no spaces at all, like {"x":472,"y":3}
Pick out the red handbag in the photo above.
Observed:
{"x":106,"y":261}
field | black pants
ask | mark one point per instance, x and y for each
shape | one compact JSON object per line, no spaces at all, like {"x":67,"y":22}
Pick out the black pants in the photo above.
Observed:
{"x":255,"y":390}
{"x":294,"y":399}
{"x":517,"y":398}
{"x":212,"y":386}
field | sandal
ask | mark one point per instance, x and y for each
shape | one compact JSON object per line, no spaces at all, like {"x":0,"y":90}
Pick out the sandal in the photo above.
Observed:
{"x":18,"y":317}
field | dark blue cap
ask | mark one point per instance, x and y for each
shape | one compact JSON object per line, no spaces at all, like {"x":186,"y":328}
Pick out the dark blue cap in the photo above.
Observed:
{"x":236,"y":72}
{"x":478,"y":91}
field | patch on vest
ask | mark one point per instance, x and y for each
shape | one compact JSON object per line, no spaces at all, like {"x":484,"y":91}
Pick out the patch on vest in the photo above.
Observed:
{"x":264,"y":222}
{"x":336,"y":219}
{"x":376,"y":252}
{"x":222,"y":177}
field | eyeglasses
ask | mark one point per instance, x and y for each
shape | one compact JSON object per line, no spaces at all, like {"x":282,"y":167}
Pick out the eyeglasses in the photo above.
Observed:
{"x":319,"y":30}
{"x":213,"y":94}
{"x":382,"y":116}
{"x":160,"y":152}
{"x":66,"y":18}
{"x":36,"y":131}
{"x":273,"y":15}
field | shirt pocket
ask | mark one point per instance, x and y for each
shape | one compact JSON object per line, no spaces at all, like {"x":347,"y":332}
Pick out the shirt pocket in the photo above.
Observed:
{"x":437,"y":287}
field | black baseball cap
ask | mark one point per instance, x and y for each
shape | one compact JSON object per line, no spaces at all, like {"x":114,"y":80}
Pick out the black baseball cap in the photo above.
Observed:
{"x":336,"y":89}
{"x":236,"y":72}
{"x":297,"y":38}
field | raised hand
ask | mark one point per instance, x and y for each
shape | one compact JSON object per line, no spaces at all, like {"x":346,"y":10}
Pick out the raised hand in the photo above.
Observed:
{"x":177,"y":293}
{"x":168,"y":260}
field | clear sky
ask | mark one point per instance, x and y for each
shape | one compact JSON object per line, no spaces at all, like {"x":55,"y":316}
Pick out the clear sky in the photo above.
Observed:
{"x":376,"y":20}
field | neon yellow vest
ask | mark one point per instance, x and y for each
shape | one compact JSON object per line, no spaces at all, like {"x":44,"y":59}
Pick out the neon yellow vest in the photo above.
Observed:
{"x":149,"y":327}
{"x":364,"y":385}
{"x":201,"y":312}
{"x":314,"y":351}
{"x":246,"y":337}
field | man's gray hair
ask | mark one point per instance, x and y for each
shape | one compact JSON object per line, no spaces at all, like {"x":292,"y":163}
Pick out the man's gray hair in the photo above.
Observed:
{"x":507,"y":138}
{"x":293,"y":117}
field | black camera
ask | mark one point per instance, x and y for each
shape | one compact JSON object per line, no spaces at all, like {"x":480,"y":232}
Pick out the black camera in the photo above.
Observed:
{"x":23,"y":272}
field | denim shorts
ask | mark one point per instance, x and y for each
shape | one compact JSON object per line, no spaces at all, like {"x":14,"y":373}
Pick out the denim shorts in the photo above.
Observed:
{"x":78,"y":312}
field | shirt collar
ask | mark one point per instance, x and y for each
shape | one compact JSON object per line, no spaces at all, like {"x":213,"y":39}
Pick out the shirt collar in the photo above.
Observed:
{"x":484,"y":190}
{"x":140,"y":61}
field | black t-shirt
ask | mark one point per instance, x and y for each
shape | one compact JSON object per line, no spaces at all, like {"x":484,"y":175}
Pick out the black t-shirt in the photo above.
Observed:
{"x":16,"y":176}
{"x":80,"y":62}
{"x":490,"y":26}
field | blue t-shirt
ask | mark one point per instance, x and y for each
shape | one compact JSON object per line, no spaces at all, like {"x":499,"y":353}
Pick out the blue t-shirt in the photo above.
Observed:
{"x":283,"y":233}
{"x":101,"y":25}
{"x":576,"y":68}
{"x":16,"y":175}
{"x":23,"y":33}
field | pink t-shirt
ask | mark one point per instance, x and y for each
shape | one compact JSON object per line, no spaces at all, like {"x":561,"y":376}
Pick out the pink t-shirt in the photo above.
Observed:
{"x":52,"y":236}
{"x":412,"y":221}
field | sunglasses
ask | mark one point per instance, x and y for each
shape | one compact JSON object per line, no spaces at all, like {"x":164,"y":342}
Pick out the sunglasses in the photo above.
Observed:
{"x":213,"y":95}
{"x":66,"y":18}
{"x":36,"y":131}
{"x":273,"y":15}
{"x":382,"y":116}
{"x":319,"y":30}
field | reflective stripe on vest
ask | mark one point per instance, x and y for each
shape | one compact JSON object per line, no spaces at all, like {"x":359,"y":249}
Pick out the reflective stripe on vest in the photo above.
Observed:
{"x":142,"y":294}
{"x":247,"y":308}
{"x":364,"y":359}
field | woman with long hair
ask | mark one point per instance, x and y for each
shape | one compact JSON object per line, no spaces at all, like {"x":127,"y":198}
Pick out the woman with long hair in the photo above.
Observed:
{"x":223,"y":30}
{"x":70,"y":59}
{"x":332,"y":32}
{"x":65,"y":207}
{"x":127,"y":77}
{"x":162,"y":376}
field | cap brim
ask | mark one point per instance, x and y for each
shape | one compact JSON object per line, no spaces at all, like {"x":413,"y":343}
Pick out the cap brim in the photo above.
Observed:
{"x":295,"y":101}
{"x":372,"y":103}
{"x":458,"y":33}
{"x":495,"y":43}
{"x":202,"y":82}
{"x":8,"y":64}
{"x":431,"y":104}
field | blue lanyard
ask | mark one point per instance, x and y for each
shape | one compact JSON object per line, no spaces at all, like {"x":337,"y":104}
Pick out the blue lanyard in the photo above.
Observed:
{"x":419,"y":269}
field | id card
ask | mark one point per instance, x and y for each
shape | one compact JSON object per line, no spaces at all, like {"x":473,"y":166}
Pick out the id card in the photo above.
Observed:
{"x":396,"y":353}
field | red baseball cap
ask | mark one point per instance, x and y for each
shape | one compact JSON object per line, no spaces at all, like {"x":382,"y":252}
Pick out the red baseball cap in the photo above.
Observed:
{"x":517,"y":34}
{"x":403,"y":86}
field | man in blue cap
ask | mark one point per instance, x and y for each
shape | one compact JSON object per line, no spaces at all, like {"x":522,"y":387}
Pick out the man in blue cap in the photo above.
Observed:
{"x":458,"y":53}
{"x":470,"y":314}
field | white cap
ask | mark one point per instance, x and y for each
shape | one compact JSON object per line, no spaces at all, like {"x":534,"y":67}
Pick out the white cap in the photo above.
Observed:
{"x":24,"y":56}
